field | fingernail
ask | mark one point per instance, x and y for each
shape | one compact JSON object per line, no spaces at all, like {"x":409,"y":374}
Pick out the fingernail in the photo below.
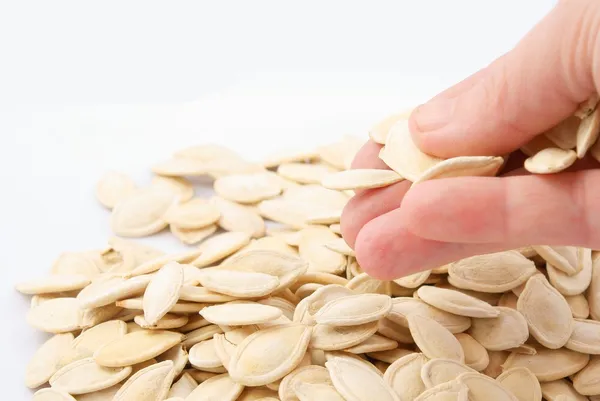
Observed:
{"x":433,"y":115}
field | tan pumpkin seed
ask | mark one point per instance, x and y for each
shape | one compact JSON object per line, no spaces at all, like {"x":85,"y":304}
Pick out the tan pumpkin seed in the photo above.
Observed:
{"x":476,"y":356}
{"x":340,"y":246}
{"x":53,"y":283}
{"x":357,"y":382}
{"x":336,"y":228}
{"x":238,"y":335}
{"x":320,"y":258}
{"x":303,"y":173}
{"x":548,"y":364}
{"x":360,"y":179}
{"x":483,"y":388}
{"x":331,"y":338}
{"x":285,"y":211}
{"x":402,"y":155}
{"x":456,"y":302}
{"x":106,"y":290}
{"x":310,"y":374}
{"x":220,"y":246}
{"x":354,"y":310}
{"x":194,"y":322}
{"x":379,"y":132}
{"x":438,"y":371}
{"x":574,"y":284}
{"x":306,"y":290}
{"x":141,"y":214}
{"x":553,"y":390}
{"x":389,"y":356}
{"x":154,"y":264}
{"x":289,"y":155}
{"x":224,"y":349}
{"x":85,"y":376}
{"x":201,"y":294}
{"x":238,"y":218}
{"x":58,"y":315}
{"x":563,"y":258}
{"x":114,"y":187}
{"x":203,"y":355}
{"x":178,"y":355}
{"x":364,"y":284}
{"x":51,"y":394}
{"x":462,"y":166}
{"x":239,"y":284}
{"x":495,"y":272}
{"x":286,"y":346}
{"x":404,"y":376}
{"x":220,"y":387}
{"x":308,"y":392}
{"x":508,"y":330}
{"x":579,"y":306}
{"x":162,"y":292}
{"x":180,"y":187}
{"x":433,"y":339}
{"x":183,"y":387}
{"x":413,"y":280}
{"x":403,"y":307}
{"x":46,"y":360}
{"x":193,"y":214}
{"x":149,"y":384}
{"x":547,"y":313}
{"x":587,"y":132}
{"x":166,"y":322}
{"x":179,"y":307}
{"x":192,"y":236}
{"x":136,"y":347}
{"x":449,"y":391}
{"x":201,"y":334}
{"x":522,"y":383}
{"x":373,"y":344}
{"x":179,"y":167}
{"x":564,"y":134}
{"x":92,"y":339}
{"x":585,"y":337}
{"x":286,"y":268}
{"x":75,"y":263}
{"x":587,"y":380}
{"x":240,"y":314}
{"x":248,"y":188}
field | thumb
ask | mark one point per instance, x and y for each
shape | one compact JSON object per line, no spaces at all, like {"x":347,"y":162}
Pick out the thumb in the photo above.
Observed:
{"x":525,"y":92}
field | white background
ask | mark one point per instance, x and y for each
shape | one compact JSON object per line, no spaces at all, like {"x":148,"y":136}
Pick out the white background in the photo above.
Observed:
{"x":90,"y":86}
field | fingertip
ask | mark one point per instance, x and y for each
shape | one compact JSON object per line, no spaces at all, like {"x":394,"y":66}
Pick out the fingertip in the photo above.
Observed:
{"x":368,"y":157}
{"x":372,"y":252}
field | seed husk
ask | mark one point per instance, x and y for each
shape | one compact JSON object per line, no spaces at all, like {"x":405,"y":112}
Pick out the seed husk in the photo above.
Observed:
{"x":495,"y":272}
{"x":286,"y":346}
{"x":149,"y":384}
{"x":86,"y":376}
{"x":506,"y":331}
{"x":456,"y":302}
{"x":240,"y":314}
{"x":162,"y":292}
{"x":136,"y":347}
{"x":355,"y":381}
{"x":548,"y":364}
{"x":46,"y":360}
{"x":547,"y":313}
{"x":522,"y":383}
{"x":404,"y":376}
{"x":353,"y":310}
{"x":433,"y":339}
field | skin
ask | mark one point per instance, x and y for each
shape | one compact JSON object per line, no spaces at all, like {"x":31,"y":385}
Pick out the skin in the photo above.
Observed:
{"x":526,"y":91}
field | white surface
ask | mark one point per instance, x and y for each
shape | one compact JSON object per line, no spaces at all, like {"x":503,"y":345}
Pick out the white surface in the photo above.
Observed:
{"x":91,"y":86}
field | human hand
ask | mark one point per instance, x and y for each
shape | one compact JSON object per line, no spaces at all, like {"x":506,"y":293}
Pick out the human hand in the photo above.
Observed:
{"x":525,"y":92}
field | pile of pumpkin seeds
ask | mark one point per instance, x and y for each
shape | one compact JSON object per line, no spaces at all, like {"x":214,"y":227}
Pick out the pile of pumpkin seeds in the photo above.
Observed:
{"x":269,"y":303}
